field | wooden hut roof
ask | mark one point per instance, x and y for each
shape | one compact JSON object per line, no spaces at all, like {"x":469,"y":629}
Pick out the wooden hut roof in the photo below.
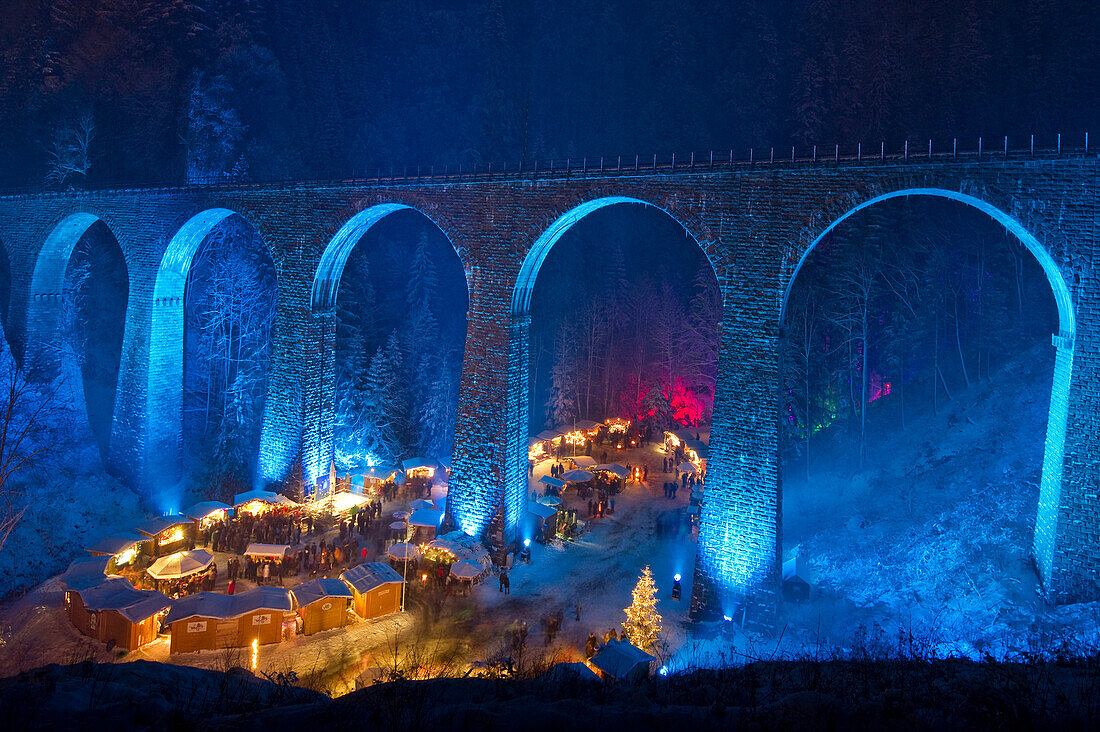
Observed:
{"x":365,"y":577}
{"x":203,"y":509}
{"x":85,"y":573}
{"x":225,"y":607}
{"x":154,"y":526}
{"x":116,"y":593}
{"x":318,"y":589}
{"x":117,"y":543}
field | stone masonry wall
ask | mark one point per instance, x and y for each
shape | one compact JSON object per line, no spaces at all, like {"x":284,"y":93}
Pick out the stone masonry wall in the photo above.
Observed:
{"x":755,"y":224}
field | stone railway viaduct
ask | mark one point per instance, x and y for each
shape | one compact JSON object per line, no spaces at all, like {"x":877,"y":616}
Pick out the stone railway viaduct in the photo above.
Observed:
{"x":755,"y":223}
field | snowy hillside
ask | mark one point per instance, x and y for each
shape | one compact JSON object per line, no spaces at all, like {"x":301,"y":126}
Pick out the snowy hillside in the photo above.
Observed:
{"x":928,"y":548}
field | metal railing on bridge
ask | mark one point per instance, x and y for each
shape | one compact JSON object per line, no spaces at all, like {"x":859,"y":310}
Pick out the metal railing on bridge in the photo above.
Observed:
{"x":981,"y":149}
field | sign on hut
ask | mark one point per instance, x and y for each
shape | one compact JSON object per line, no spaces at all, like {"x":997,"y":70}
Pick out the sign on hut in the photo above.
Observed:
{"x":376,"y":589}
{"x":115,"y":612}
{"x":169,"y":534}
{"x":322,"y":604}
{"x":210,"y":620}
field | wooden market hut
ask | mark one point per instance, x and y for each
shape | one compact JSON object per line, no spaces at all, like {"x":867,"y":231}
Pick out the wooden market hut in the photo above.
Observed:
{"x":122,"y":549}
{"x":542,"y":521}
{"x":376,"y":589}
{"x":206,"y":513}
{"x":169,"y":534}
{"x":212,"y":621}
{"x":83,"y":574}
{"x":322,"y":604}
{"x":115,"y":612}
{"x":620,"y":660}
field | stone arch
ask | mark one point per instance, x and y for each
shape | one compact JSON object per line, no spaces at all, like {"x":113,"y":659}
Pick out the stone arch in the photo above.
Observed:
{"x":326,"y":280}
{"x":318,"y":440}
{"x":44,"y":353}
{"x":1046,"y":523}
{"x":164,"y":387}
{"x":475,"y":517}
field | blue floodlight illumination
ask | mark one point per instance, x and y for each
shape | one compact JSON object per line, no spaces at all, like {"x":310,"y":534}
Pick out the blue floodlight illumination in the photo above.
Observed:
{"x":727,"y":618}
{"x":663,"y":671}
{"x":526,"y":543}
{"x":676,"y":577}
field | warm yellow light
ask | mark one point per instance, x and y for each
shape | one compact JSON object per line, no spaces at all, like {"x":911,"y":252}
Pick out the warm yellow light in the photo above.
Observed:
{"x":576,"y":438}
{"x":171,"y":537}
{"x":674,"y":440}
{"x":253,"y":507}
{"x":255,"y":653}
{"x":126,"y":556}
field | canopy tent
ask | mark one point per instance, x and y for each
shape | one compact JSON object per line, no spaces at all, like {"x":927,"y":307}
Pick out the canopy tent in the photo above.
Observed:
{"x":464,"y":569}
{"x":116,"y":544}
{"x":85,"y":573}
{"x":274,"y":551}
{"x":549,"y":500}
{"x":180,"y":564}
{"x":613,"y":468}
{"x":686,"y":467}
{"x":426,"y":517}
{"x":398,"y":526}
{"x":204,"y":510}
{"x":552,"y":482}
{"x":401,"y":515}
{"x":422,"y":503}
{"x":582,"y":461}
{"x":402,"y":551}
{"x":576,"y":476}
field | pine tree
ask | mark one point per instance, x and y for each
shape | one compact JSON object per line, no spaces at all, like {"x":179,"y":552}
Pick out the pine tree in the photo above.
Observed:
{"x":643,"y":622}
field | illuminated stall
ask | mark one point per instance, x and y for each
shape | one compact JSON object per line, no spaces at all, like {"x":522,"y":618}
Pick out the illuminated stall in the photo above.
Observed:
{"x":122,"y":549}
{"x":169,"y":534}
{"x":207,"y":514}
{"x":369,"y":482}
{"x":115,"y":612}
{"x":257,"y":502}
{"x":212,"y":621}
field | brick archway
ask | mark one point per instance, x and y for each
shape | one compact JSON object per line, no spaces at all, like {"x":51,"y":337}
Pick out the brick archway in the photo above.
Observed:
{"x":1047,"y":517}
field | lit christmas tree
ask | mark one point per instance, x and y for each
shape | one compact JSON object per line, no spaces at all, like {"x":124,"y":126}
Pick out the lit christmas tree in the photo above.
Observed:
{"x":643,"y":622}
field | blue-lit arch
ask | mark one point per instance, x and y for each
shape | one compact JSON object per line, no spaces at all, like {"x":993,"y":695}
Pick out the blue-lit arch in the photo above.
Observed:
{"x":47,"y":283}
{"x":164,"y":384}
{"x":44,"y":353}
{"x":1046,"y":521}
{"x":472,"y":516}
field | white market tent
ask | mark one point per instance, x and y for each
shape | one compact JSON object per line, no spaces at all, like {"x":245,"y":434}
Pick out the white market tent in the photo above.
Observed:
{"x":180,"y":564}
{"x":464,"y":569}
{"x":402,"y":551}
{"x":576,"y":476}
{"x":686,"y":467}
{"x":422,"y":503}
{"x":552,"y":482}
{"x":274,"y":551}
{"x":582,"y":461}
{"x":549,"y":500}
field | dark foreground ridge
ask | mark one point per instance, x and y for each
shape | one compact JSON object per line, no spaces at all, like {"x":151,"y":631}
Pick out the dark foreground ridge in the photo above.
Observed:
{"x":840,"y":695}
